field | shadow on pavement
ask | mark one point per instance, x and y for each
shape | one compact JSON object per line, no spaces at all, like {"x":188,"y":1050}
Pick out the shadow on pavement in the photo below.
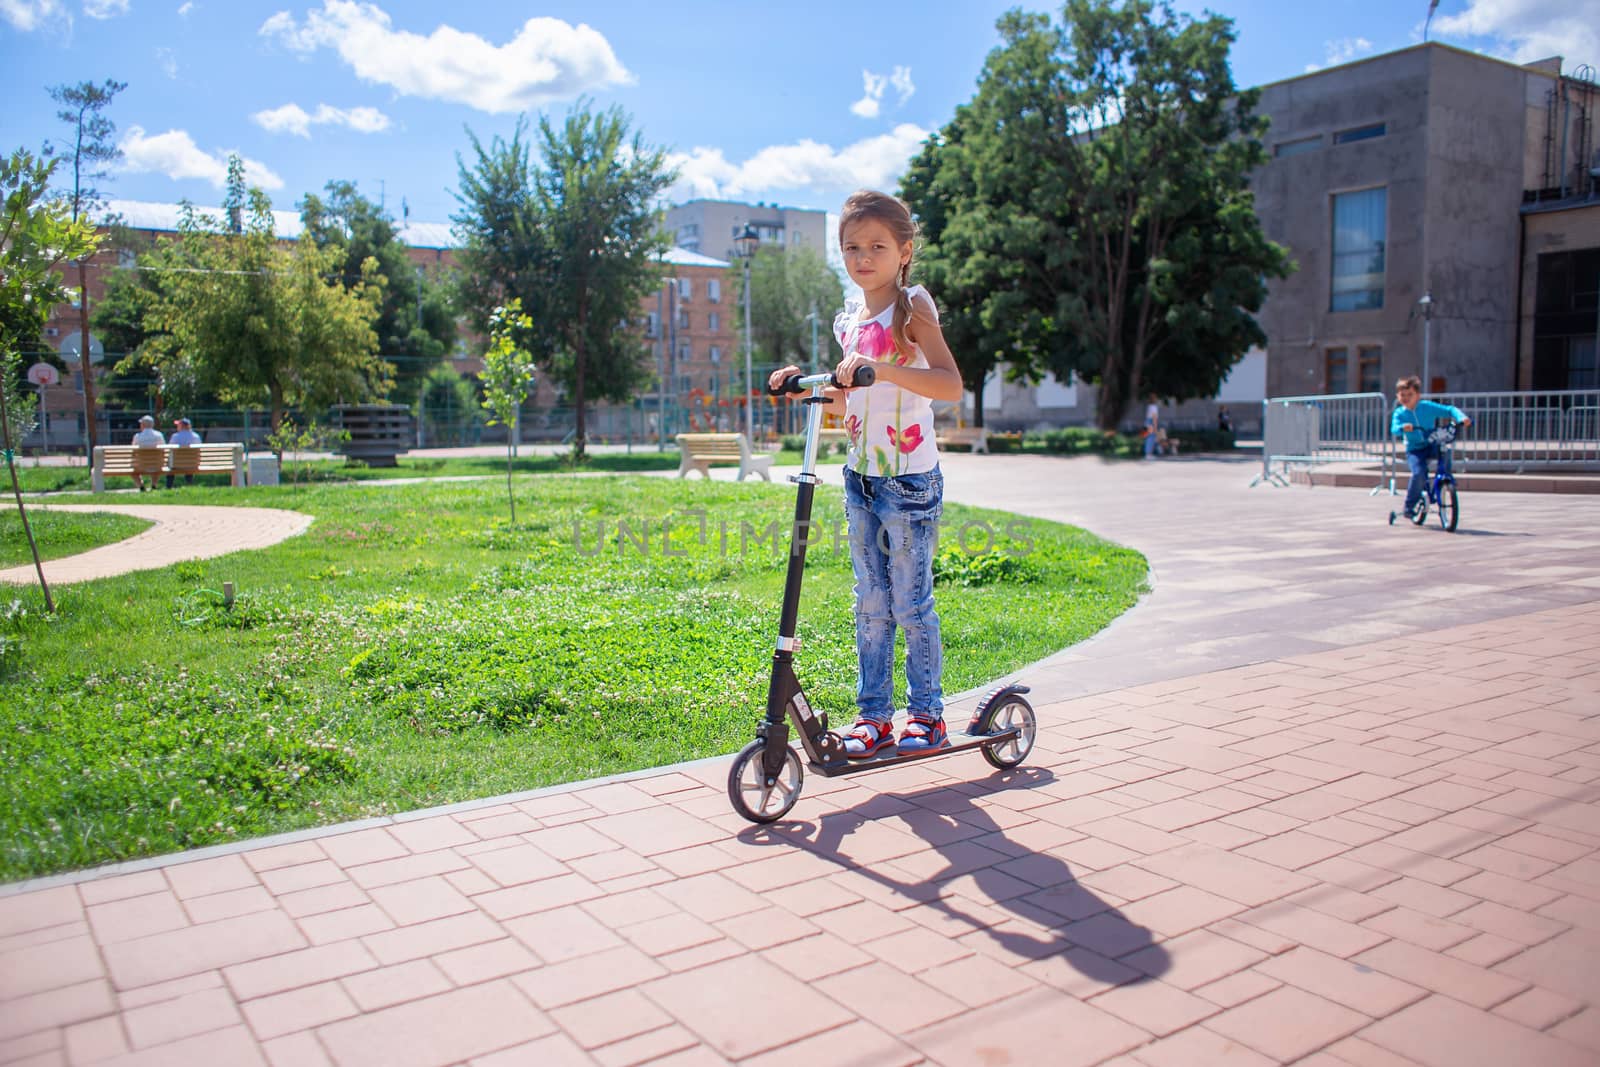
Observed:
{"x":1059,"y":897}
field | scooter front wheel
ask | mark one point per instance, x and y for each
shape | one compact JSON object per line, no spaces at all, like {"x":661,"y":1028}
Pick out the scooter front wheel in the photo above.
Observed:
{"x":757,"y":797}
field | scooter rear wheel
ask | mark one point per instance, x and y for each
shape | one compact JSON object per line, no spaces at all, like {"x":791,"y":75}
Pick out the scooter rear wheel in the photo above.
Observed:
{"x":1014,"y":713}
{"x":757,"y":797}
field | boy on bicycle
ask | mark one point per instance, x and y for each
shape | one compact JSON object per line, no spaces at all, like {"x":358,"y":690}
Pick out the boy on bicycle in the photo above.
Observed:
{"x":1414,"y":419}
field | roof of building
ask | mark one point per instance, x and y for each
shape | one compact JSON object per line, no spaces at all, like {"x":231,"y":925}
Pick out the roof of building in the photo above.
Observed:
{"x":287,"y":226}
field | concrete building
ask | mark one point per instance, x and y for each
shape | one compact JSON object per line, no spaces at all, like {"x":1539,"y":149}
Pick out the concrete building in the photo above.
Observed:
{"x":1405,"y":176}
{"x":710,"y":226}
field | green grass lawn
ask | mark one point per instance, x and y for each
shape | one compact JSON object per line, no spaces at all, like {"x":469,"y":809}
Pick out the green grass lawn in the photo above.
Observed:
{"x":60,"y":533}
{"x":413,"y":649}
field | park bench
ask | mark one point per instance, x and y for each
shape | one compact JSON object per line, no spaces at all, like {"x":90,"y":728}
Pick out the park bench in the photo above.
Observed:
{"x":126,"y":461}
{"x":700,"y":450}
{"x":974,"y":438}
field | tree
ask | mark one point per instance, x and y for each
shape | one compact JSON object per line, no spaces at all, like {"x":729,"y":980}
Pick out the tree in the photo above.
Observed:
{"x":93,"y":151}
{"x":260,"y":323}
{"x":35,"y":236}
{"x":507,"y":377}
{"x":1100,"y":201}
{"x":787,"y":285}
{"x":577,"y":239}
{"x":416,"y":324}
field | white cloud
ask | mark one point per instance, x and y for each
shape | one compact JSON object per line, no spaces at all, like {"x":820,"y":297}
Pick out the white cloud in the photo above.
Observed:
{"x":1526,"y":30}
{"x":547,"y":60}
{"x":175,"y":155}
{"x":28,"y":15}
{"x":292,"y":118}
{"x":873,"y":86}
{"x":105,"y":9}
{"x":901,"y":80}
{"x":167,"y":60}
{"x":1341,"y":51}
{"x":184,"y":9}
{"x":874,"y":162}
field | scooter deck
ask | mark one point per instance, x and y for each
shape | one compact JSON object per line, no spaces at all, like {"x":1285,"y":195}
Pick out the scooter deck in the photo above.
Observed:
{"x":891,"y":756}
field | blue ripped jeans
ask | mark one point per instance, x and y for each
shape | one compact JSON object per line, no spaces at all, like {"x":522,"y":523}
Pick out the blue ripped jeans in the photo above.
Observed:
{"x":894,"y":530}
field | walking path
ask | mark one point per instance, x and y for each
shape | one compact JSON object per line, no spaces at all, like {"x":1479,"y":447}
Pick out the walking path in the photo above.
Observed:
{"x":180,"y":532}
{"x":1329,"y":795}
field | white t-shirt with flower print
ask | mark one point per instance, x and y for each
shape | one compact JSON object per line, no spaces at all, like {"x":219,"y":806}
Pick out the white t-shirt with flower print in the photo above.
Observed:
{"x":890,"y":428}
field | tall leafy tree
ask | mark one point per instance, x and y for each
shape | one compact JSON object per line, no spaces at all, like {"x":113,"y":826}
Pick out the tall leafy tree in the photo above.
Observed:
{"x":577,"y":238}
{"x":90,"y":153}
{"x":260,"y":323}
{"x":35,"y":236}
{"x":1101,"y":195}
{"x":787,"y":285}
{"x":416,"y":324}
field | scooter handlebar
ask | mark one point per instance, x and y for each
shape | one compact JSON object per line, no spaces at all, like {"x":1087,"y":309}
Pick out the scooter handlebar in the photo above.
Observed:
{"x":797,"y":383}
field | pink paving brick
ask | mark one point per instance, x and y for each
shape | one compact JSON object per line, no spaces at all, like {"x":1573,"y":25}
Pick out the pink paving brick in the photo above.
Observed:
{"x":301,"y":1049}
{"x":97,"y":1039}
{"x":433,"y":832}
{"x":1194,"y":959}
{"x":672,"y":1046}
{"x":61,"y":1006}
{"x":431,"y":938}
{"x":1477,"y":986}
{"x":774,"y":1008}
{"x":765,"y":929}
{"x":518,"y":864}
{"x":562,"y":933}
{"x":226,"y":905}
{"x":1155,"y":1006}
{"x":1287,"y":1023}
{"x":298,"y":1009}
{"x":437,"y":1030}
{"x":363,"y":846}
{"x":347,"y":923}
{"x":1196,"y":1046}
{"x":122,"y":886}
{"x":193,"y":949}
{"x":51,"y":965}
{"x":1441,"y":1032}
{"x":537,"y":896}
{"x":290,"y":970}
{"x":40,"y":909}
{"x":570,"y":981}
{"x":711,"y":896}
{"x":420,"y":900}
{"x":610,"y":1018}
{"x":393,"y":985}
{"x":204,"y":877}
{"x":1179,"y":910}
{"x":1568,"y":963}
{"x":1351,"y":984}
{"x":1226,"y":874}
{"x":492,"y":959}
{"x":662,"y":828}
{"x":1425,"y":931}
{"x":857,"y":1042}
{"x":1041,"y":1028}
{"x":170,"y":1020}
{"x":1538,"y":1009}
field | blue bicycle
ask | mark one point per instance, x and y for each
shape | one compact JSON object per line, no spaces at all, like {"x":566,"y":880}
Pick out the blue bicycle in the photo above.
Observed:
{"x":1440,"y":491}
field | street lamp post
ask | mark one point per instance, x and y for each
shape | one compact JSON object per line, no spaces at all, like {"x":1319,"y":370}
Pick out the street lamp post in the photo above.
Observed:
{"x":1426,"y":304}
{"x":747,"y":243}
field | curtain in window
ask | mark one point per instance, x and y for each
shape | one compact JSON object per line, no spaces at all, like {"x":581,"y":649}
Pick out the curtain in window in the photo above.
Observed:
{"x":1358,"y":247}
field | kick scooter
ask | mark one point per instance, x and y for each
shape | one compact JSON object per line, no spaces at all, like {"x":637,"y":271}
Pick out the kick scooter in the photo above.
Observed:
{"x":767,"y":775}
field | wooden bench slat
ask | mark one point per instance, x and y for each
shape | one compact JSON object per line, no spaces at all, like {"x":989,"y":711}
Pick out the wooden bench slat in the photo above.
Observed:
{"x":700,"y":450}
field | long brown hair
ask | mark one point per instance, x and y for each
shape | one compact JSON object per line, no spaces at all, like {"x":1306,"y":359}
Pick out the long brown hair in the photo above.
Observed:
{"x":864,"y":204}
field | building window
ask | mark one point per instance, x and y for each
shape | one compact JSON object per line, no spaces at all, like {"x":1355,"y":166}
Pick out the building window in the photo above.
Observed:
{"x":684,"y":383}
{"x":652,"y":325}
{"x":714,"y":289}
{"x":685,"y":288}
{"x":685,"y":352}
{"x":683,"y":320}
{"x":1359,"y":236}
{"x":1294,"y":148}
{"x":713,"y":322}
{"x":712,"y":384}
{"x":1336,"y":371}
{"x":1369,"y":368}
{"x":1361,"y":133}
{"x":716,"y":353}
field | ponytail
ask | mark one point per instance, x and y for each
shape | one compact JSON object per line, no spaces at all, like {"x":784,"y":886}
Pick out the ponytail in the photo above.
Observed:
{"x":900,"y":324}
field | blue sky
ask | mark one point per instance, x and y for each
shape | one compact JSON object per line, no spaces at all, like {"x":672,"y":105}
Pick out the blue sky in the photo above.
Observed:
{"x":794,"y":103}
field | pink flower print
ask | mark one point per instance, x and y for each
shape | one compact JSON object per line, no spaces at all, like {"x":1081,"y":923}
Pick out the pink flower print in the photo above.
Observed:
{"x":908,"y":439}
{"x":852,"y":426}
{"x":874,"y":341}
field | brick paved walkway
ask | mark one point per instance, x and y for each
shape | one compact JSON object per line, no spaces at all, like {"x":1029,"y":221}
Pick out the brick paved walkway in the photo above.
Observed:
{"x":1358,"y":850}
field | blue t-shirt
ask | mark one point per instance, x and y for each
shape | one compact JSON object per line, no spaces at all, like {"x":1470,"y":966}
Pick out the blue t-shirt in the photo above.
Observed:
{"x":1422,"y":421}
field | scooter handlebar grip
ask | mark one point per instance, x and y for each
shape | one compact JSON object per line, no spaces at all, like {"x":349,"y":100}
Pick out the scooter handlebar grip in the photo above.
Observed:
{"x":863,"y":377}
{"x":791,"y":384}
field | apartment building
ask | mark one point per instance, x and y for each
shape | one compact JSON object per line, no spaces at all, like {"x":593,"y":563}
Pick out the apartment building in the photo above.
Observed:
{"x":711,"y":227}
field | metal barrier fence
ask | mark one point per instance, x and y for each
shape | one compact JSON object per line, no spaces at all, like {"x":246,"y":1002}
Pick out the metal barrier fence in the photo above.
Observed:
{"x":1545,"y":430}
{"x":1303,"y":431}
